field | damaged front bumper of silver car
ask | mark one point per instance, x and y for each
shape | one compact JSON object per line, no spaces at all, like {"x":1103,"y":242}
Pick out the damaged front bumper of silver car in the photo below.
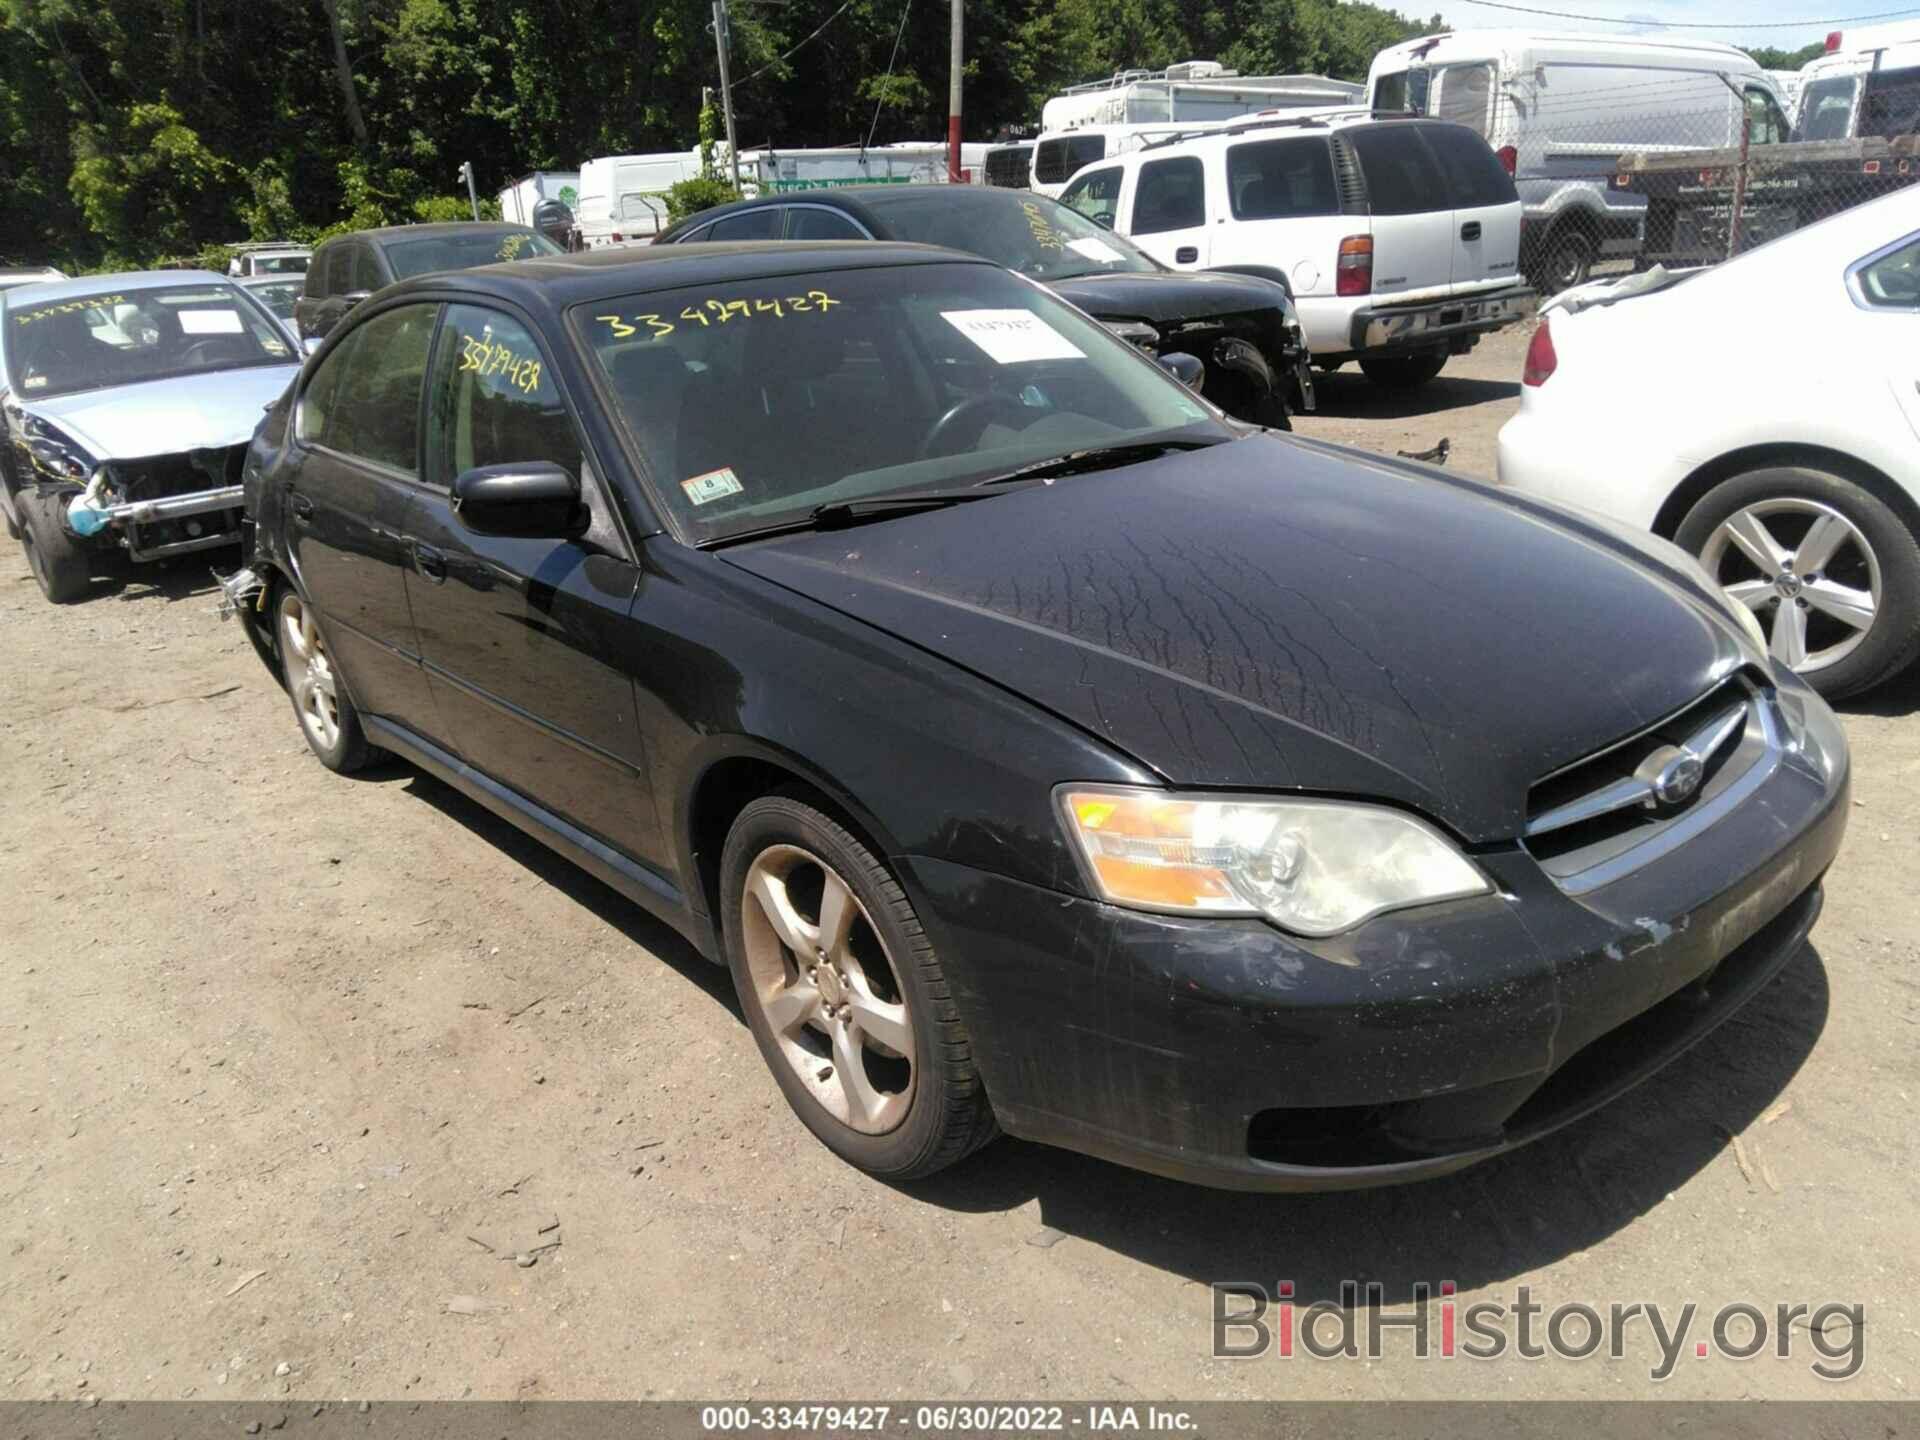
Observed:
{"x":162,"y":506}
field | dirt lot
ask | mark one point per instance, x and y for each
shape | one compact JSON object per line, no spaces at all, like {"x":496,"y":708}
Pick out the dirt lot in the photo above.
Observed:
{"x":296,"y":1066}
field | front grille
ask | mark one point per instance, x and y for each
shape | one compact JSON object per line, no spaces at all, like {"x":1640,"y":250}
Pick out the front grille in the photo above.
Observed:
{"x":1605,"y":816}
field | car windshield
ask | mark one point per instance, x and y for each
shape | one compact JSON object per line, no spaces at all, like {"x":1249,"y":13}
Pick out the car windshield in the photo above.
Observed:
{"x":752,"y":403}
{"x":125,"y":337}
{"x":279,"y":295}
{"x":464,"y":251}
{"x":1028,"y":233}
{"x":280,"y":264}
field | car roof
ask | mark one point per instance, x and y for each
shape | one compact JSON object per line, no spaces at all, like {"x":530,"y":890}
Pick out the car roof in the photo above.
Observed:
{"x":96,"y":284}
{"x":561,"y":281}
{"x":428,"y":232}
{"x":863,"y":201}
{"x":1275,"y":127}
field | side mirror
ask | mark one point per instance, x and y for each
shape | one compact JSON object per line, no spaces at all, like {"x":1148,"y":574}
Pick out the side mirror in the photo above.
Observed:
{"x":534,"y":500}
{"x":1185,"y":368}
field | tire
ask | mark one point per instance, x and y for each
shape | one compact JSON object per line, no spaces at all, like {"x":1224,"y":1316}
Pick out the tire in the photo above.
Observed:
{"x":1853,"y":545}
{"x":1566,"y":260}
{"x":320,"y":703}
{"x":1403,"y":372}
{"x":907,"y":1115}
{"x":58,"y":561}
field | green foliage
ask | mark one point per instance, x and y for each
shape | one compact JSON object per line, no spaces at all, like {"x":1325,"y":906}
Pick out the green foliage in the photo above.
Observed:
{"x":1772,"y":59}
{"x":690,"y":197}
{"x":139,"y":129}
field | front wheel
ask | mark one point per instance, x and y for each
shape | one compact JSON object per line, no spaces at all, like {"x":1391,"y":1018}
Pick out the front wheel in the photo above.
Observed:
{"x":58,"y":561}
{"x":1831,"y":573}
{"x":1403,"y":372}
{"x":845,"y":996}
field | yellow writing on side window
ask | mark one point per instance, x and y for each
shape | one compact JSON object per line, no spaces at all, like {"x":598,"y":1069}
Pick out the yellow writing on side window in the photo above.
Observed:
{"x":511,"y":247}
{"x":47,"y":312}
{"x":716,"y":311}
{"x":488,"y":357}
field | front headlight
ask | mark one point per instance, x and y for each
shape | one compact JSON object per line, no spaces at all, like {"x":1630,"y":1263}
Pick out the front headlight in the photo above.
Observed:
{"x":1314,"y":867}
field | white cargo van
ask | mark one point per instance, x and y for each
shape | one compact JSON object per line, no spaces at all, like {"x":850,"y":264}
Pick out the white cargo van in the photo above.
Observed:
{"x":1399,"y":238}
{"x":1868,"y":83}
{"x":1091,"y":122}
{"x":1560,"y":109}
{"x":623,"y":197}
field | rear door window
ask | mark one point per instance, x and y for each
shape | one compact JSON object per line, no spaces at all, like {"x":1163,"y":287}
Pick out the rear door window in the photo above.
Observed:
{"x":810,"y":222}
{"x":1170,"y":195}
{"x":1473,"y":178}
{"x":339,"y":270}
{"x":1401,"y":174}
{"x":762,"y":224}
{"x":1281,"y":179}
{"x":364,"y":400}
{"x":366,"y":270}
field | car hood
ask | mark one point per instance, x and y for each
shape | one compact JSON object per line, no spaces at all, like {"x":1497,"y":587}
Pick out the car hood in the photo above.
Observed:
{"x":1169,"y":296}
{"x":1271,"y":614}
{"x":161,"y":417}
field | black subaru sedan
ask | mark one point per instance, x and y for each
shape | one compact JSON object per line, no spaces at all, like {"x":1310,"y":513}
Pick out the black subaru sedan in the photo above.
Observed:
{"x":1239,"y":327}
{"x":1042,"y":752}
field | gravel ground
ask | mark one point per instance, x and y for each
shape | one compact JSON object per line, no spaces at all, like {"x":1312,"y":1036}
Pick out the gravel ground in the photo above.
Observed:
{"x":297,"y":1066}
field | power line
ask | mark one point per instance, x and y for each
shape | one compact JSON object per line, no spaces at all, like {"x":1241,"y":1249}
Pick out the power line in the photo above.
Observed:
{"x":1695,"y":24}
{"x":798,"y":48}
{"x":881,"y":98}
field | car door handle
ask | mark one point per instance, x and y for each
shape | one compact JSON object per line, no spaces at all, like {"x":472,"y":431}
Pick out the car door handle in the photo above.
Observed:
{"x":301,"y":507}
{"x":431,"y":564}
{"x":1470,"y":230}
{"x":1186,"y":255}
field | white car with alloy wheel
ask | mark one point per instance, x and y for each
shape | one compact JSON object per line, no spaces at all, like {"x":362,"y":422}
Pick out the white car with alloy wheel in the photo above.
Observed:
{"x":1765,"y":415}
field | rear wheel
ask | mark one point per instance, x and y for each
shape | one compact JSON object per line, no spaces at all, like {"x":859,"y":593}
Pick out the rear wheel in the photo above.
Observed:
{"x":1403,"y":372}
{"x":1832,"y":574}
{"x":844,"y":994}
{"x":1565,"y":261}
{"x":58,"y":561}
{"x":327,"y":717}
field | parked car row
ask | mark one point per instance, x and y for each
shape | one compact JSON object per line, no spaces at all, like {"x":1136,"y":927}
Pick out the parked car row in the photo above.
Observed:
{"x":1043,"y":749}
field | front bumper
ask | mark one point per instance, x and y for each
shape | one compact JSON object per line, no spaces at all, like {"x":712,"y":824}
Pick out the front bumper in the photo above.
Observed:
{"x":1230,"y":1054}
{"x":1379,"y":329}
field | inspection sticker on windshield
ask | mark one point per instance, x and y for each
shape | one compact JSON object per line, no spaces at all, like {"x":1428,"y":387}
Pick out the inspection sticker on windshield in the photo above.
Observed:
{"x":714,"y":485}
{"x":1012,"y":336}
{"x":1094,"y":249}
{"x":209,"y":322}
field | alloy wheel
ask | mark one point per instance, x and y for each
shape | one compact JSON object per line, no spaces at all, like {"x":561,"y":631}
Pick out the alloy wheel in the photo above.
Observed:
{"x":824,"y":981}
{"x":1806,"y":571}
{"x":310,"y":674}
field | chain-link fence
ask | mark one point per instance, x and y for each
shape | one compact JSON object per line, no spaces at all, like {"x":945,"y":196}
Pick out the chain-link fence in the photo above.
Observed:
{"x":1678,"y":167}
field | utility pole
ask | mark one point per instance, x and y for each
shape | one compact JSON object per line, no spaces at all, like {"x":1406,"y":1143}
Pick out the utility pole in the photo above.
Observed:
{"x":726,"y":86}
{"x":956,"y":63}
{"x":473,"y":198}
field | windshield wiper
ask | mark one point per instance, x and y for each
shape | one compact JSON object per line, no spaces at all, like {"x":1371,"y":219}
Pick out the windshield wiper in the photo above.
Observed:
{"x":1102,"y":457}
{"x":847,"y":512}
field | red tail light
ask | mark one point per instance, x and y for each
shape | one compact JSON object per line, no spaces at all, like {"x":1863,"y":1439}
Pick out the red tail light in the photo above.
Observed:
{"x":1833,"y":41}
{"x":1508,"y":157}
{"x":1353,"y":275}
{"x":1541,"y":361}
{"x":616,"y":237}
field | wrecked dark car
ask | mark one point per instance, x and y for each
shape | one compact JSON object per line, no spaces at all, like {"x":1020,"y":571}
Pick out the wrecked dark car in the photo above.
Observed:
{"x":1241,"y":328}
{"x":1043,"y":752}
{"x":126,"y":404}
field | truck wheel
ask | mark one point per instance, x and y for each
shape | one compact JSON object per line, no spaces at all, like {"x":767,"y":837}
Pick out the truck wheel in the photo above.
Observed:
{"x":1565,"y":261}
{"x":1830,"y":571}
{"x":57,"y":559}
{"x":845,"y":996}
{"x":1403,"y":372}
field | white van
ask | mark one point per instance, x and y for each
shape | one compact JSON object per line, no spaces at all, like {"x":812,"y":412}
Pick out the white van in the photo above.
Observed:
{"x":623,"y":197}
{"x":1091,"y":122}
{"x":1560,"y":109}
{"x":1868,"y":83}
{"x":1399,"y":238}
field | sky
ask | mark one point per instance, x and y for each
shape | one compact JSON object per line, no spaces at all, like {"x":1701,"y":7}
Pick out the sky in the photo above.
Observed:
{"x":1756,"y":17}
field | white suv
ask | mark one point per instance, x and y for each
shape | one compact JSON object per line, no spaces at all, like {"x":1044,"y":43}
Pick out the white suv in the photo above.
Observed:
{"x":1399,"y":238}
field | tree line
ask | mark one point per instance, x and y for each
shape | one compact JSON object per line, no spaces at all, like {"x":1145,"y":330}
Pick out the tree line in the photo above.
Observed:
{"x":139,"y":130}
